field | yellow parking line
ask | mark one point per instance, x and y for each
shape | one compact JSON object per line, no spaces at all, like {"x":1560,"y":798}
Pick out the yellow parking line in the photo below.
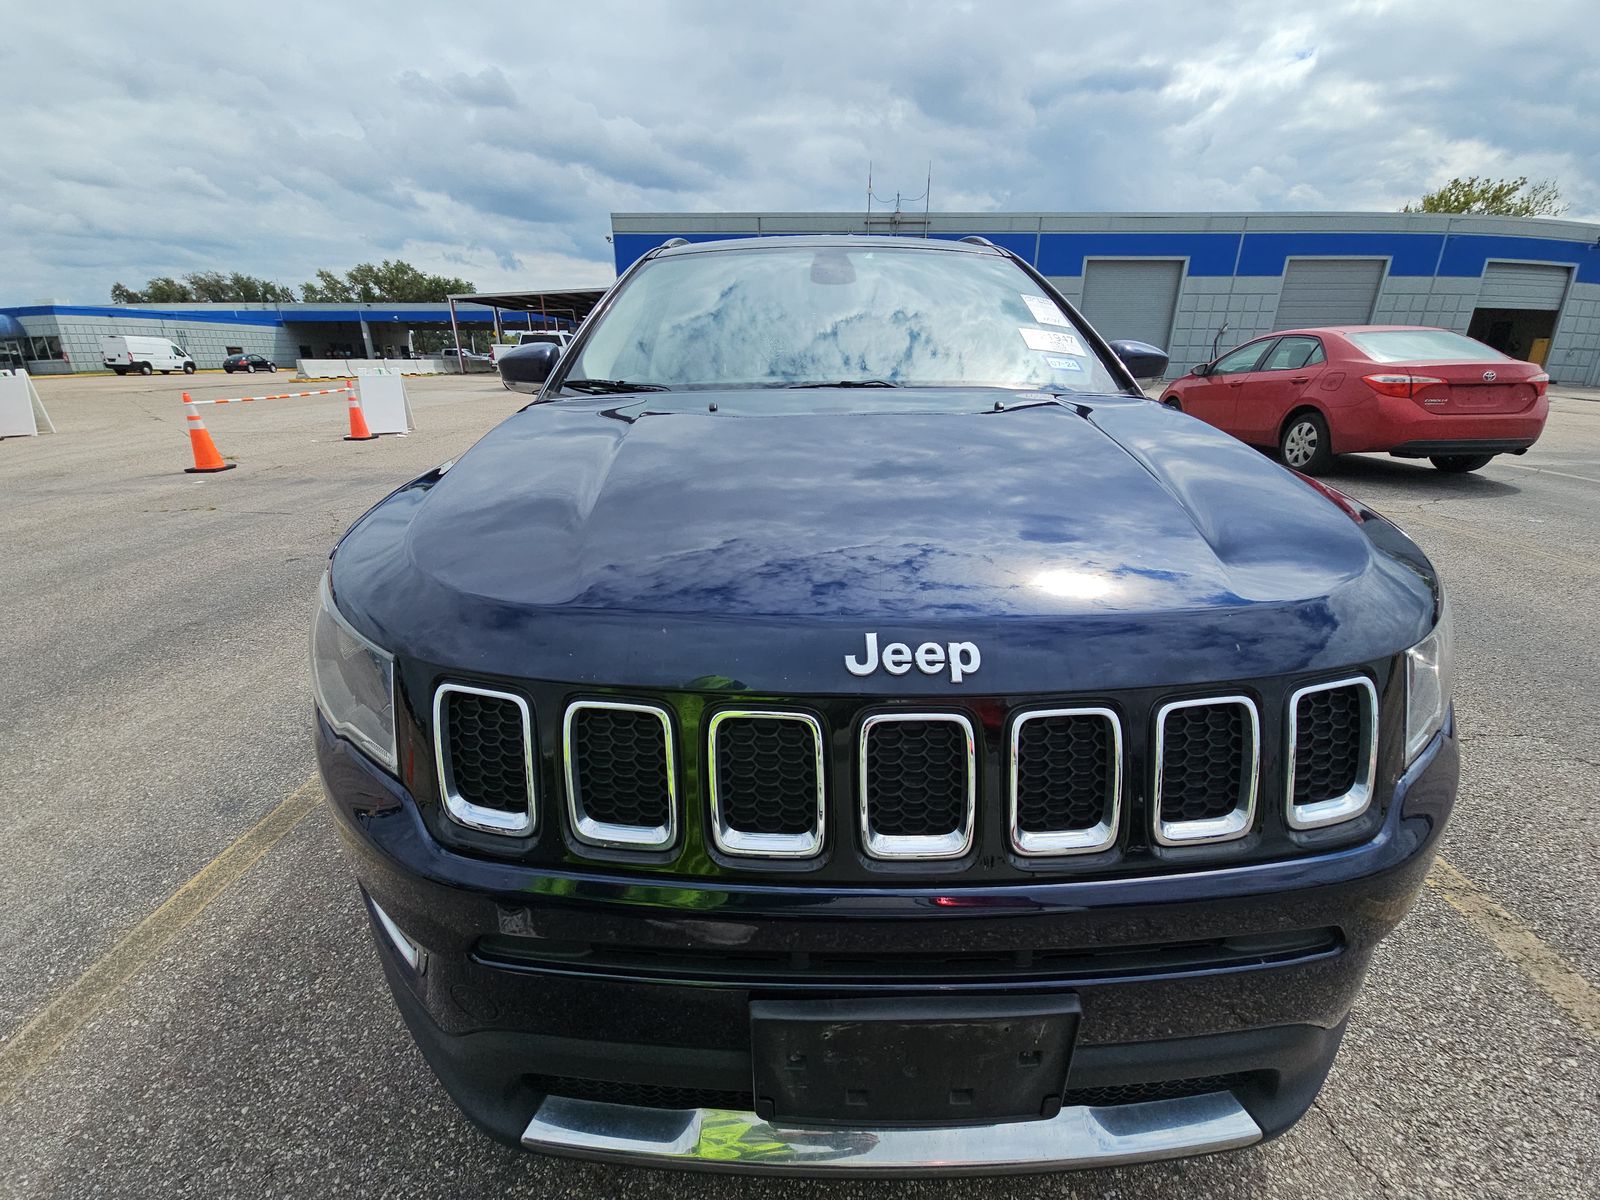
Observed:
{"x":33,"y":1045}
{"x":1576,"y":996}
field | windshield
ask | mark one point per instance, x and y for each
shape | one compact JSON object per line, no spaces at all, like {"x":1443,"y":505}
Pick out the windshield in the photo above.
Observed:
{"x":1422,"y":345}
{"x":793,"y":316}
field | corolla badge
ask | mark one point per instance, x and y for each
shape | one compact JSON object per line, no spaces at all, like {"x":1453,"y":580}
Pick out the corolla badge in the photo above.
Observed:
{"x":961,"y":658}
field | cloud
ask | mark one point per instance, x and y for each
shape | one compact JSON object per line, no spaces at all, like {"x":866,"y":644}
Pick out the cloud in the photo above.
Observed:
{"x":318,"y":136}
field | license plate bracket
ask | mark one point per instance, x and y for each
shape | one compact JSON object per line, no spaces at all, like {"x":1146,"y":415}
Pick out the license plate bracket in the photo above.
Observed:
{"x":912,"y":1060}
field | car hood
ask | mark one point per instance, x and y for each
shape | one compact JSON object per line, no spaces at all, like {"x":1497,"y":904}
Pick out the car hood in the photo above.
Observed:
{"x":757,"y":538}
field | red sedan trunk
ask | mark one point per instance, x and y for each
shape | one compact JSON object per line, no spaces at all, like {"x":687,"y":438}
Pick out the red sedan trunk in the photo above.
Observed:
{"x":1411,"y":391}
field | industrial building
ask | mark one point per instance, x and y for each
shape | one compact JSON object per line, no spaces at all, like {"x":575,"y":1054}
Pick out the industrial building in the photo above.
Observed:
{"x":1195,"y":282}
{"x":59,"y":338}
{"x":1192,"y":283}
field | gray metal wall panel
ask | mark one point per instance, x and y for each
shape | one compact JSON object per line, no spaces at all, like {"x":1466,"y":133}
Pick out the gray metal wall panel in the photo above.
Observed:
{"x":1332,"y":291}
{"x":1132,"y":299}
{"x":1524,"y":285}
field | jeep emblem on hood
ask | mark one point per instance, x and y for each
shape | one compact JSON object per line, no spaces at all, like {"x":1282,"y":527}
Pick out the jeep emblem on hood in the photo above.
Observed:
{"x":962,"y":658}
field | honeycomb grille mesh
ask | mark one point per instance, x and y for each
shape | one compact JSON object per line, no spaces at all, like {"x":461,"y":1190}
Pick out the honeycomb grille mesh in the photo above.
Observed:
{"x":1205,"y":754}
{"x":620,"y":766}
{"x":916,"y":776}
{"x":1327,"y":751}
{"x":644,"y":1095}
{"x":1064,"y":772}
{"x":767,"y":775}
{"x":1165,"y":1089}
{"x":487,"y":752}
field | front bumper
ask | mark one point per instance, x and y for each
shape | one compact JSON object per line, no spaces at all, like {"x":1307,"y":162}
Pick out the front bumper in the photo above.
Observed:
{"x":509,"y":1038}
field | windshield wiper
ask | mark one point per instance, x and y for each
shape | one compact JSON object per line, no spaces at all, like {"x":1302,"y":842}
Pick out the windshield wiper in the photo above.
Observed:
{"x":598,"y":386}
{"x":848,"y":383}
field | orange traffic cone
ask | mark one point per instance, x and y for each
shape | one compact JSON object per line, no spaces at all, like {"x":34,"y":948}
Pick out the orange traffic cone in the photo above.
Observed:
{"x":206,"y":458}
{"x":358,"y":421}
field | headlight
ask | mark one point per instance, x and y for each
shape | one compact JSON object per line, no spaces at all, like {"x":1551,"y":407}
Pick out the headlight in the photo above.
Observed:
{"x":1428,"y":684}
{"x":353,"y":681}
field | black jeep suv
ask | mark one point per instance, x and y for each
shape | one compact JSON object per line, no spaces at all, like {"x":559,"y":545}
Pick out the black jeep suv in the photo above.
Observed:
{"x":841,"y":725}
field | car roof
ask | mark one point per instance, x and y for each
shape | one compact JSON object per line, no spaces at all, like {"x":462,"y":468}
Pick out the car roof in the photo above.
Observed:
{"x":822,"y":241}
{"x":1346,"y":330}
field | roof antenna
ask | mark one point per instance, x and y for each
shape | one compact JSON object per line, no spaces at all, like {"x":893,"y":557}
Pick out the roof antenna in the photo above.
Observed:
{"x":900,"y":201}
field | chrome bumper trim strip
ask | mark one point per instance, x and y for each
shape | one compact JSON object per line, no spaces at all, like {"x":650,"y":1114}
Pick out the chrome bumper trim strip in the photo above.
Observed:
{"x":723,"y":1140}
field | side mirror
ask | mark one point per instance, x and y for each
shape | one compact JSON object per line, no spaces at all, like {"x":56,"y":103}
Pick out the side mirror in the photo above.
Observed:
{"x":1143,"y":360}
{"x":1201,"y":369}
{"x":525,"y":368}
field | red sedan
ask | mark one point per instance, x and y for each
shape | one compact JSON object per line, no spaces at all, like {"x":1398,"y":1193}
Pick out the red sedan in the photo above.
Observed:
{"x":1409,"y":390}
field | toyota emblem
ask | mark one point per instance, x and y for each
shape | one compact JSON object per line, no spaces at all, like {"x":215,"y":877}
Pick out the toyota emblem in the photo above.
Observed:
{"x":1488,"y":376}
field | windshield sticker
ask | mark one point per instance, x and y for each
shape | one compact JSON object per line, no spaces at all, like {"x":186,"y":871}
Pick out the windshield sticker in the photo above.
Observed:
{"x":1063,"y":364}
{"x":1044,"y":311}
{"x":1053,"y":341}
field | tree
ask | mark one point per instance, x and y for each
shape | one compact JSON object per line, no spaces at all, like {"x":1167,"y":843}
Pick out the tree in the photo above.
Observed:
{"x":394,"y":282}
{"x":163,"y":289}
{"x":1494,"y":197}
{"x":204,"y":285}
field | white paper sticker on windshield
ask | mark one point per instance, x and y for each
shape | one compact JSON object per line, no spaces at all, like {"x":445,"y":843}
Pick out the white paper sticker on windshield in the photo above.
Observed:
{"x":1053,"y":341}
{"x":1044,"y":311}
{"x":1063,"y":364}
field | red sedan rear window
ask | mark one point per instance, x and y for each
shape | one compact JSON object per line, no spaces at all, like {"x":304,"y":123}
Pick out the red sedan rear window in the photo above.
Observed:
{"x":1422,"y":345}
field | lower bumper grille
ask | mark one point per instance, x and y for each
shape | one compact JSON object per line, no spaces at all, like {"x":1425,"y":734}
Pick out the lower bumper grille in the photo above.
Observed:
{"x":641,"y":1095}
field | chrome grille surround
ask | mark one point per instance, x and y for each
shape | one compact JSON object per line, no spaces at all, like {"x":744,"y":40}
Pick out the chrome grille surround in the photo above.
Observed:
{"x":752,"y":843}
{"x":603,"y":833}
{"x":1098,"y":837}
{"x":462,"y":810}
{"x":918,"y":847}
{"x":1230,"y":826}
{"x":1355,"y":801}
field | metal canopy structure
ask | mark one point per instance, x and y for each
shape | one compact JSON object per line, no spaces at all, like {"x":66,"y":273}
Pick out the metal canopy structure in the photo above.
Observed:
{"x":556,"y":307}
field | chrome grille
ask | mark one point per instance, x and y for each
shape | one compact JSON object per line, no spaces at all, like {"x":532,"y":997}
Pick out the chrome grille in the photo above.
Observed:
{"x":483,"y":751}
{"x":918,"y":785}
{"x":1333,"y":752}
{"x":1208,"y":757}
{"x":766,"y":781}
{"x":1066,"y":781}
{"x":621,"y":775}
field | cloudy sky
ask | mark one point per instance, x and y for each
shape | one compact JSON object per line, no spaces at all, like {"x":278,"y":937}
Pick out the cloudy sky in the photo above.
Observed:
{"x":491,"y":142}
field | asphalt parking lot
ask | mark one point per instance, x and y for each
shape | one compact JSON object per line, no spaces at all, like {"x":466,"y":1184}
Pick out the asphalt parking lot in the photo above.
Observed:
{"x":176,"y":1023}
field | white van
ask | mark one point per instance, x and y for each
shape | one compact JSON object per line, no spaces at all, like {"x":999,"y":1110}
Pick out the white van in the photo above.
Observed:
{"x":144,"y":355}
{"x":528,"y":337}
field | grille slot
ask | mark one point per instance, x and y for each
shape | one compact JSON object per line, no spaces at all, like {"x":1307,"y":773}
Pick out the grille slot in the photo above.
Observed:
{"x":483,"y":750}
{"x":766,"y":776}
{"x":1066,"y":781}
{"x":918,"y":785}
{"x":1208,"y":757}
{"x":642,"y":1095}
{"x":1166,"y":1089}
{"x":1333,"y":752}
{"x":622,"y":787}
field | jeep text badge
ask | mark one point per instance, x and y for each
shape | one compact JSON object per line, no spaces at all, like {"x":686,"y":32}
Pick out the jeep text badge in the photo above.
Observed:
{"x":930,"y":658}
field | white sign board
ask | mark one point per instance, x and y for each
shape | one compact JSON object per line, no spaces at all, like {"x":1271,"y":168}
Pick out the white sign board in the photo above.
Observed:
{"x":21,"y":410}
{"x":384,"y":403}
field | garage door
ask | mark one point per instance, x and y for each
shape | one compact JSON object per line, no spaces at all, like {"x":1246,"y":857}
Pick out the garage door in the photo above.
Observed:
{"x":1523,"y":285}
{"x":1327,"y":291}
{"x":1133,"y":299}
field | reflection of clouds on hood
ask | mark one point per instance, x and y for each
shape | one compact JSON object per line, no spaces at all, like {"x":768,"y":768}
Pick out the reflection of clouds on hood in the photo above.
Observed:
{"x":496,"y":148}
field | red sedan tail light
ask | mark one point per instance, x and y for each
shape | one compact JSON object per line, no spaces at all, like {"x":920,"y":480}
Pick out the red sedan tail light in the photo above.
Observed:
{"x":1399,"y":384}
{"x":1541,"y":382}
